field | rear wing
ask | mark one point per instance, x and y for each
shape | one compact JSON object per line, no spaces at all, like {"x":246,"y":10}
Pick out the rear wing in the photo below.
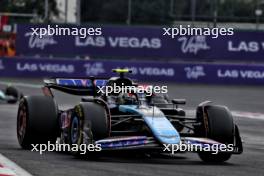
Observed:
{"x":76,"y":86}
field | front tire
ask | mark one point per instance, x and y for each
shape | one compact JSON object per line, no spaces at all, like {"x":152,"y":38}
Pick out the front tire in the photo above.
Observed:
{"x":217,"y":124}
{"x":214,"y":158}
{"x":89,"y":122}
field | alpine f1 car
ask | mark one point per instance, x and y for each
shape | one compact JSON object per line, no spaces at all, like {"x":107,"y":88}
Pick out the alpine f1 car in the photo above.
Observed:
{"x":120,"y":121}
{"x":10,"y":95}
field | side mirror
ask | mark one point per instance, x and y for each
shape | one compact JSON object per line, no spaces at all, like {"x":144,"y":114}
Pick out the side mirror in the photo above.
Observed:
{"x":179,"y":101}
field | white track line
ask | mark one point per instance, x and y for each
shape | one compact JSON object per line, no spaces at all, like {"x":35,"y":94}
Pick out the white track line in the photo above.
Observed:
{"x":21,"y":84}
{"x":6,"y":172}
{"x":251,"y":115}
{"x":9,"y":168}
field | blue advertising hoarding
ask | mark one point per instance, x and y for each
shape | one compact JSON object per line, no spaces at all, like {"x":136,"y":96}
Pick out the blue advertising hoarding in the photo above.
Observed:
{"x":144,"y":42}
{"x":145,"y":71}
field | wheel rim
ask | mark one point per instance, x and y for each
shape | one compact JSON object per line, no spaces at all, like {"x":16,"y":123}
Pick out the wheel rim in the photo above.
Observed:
{"x":22,"y":123}
{"x":75,"y":130}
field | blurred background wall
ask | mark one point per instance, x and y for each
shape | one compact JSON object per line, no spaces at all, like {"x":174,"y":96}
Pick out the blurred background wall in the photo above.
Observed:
{"x":137,"y":22}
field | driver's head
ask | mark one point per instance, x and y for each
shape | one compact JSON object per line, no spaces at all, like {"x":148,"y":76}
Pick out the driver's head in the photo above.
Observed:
{"x":127,"y":99}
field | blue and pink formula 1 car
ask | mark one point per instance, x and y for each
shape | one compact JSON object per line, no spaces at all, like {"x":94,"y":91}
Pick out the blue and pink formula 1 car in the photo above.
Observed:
{"x":134,"y":121}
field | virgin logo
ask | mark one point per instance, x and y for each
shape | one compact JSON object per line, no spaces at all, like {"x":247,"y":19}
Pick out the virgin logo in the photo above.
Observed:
{"x":94,"y":68}
{"x":193,"y":44}
{"x":36,"y":42}
{"x":194,"y":72}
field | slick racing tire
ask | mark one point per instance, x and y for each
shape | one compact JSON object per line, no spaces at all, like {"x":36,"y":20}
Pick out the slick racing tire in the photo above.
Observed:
{"x":89,"y":122}
{"x":37,"y":121}
{"x":12,"y":91}
{"x":217,"y":123}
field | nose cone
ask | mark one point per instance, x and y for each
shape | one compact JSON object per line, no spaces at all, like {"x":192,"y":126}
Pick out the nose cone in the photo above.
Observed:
{"x":157,"y":122}
{"x":163,"y":130}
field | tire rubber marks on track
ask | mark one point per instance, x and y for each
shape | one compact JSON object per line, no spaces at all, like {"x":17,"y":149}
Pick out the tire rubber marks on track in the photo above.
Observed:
{"x":9,"y":168}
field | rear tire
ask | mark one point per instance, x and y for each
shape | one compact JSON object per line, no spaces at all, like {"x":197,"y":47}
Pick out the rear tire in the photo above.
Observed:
{"x":36,"y":121}
{"x":220,"y":128}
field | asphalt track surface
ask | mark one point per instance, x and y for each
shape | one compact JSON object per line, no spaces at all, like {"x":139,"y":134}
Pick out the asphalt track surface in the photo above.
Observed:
{"x":238,"y":98}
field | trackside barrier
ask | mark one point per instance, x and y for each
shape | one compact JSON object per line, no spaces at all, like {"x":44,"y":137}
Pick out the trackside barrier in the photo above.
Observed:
{"x":143,"y":42}
{"x":207,"y":73}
